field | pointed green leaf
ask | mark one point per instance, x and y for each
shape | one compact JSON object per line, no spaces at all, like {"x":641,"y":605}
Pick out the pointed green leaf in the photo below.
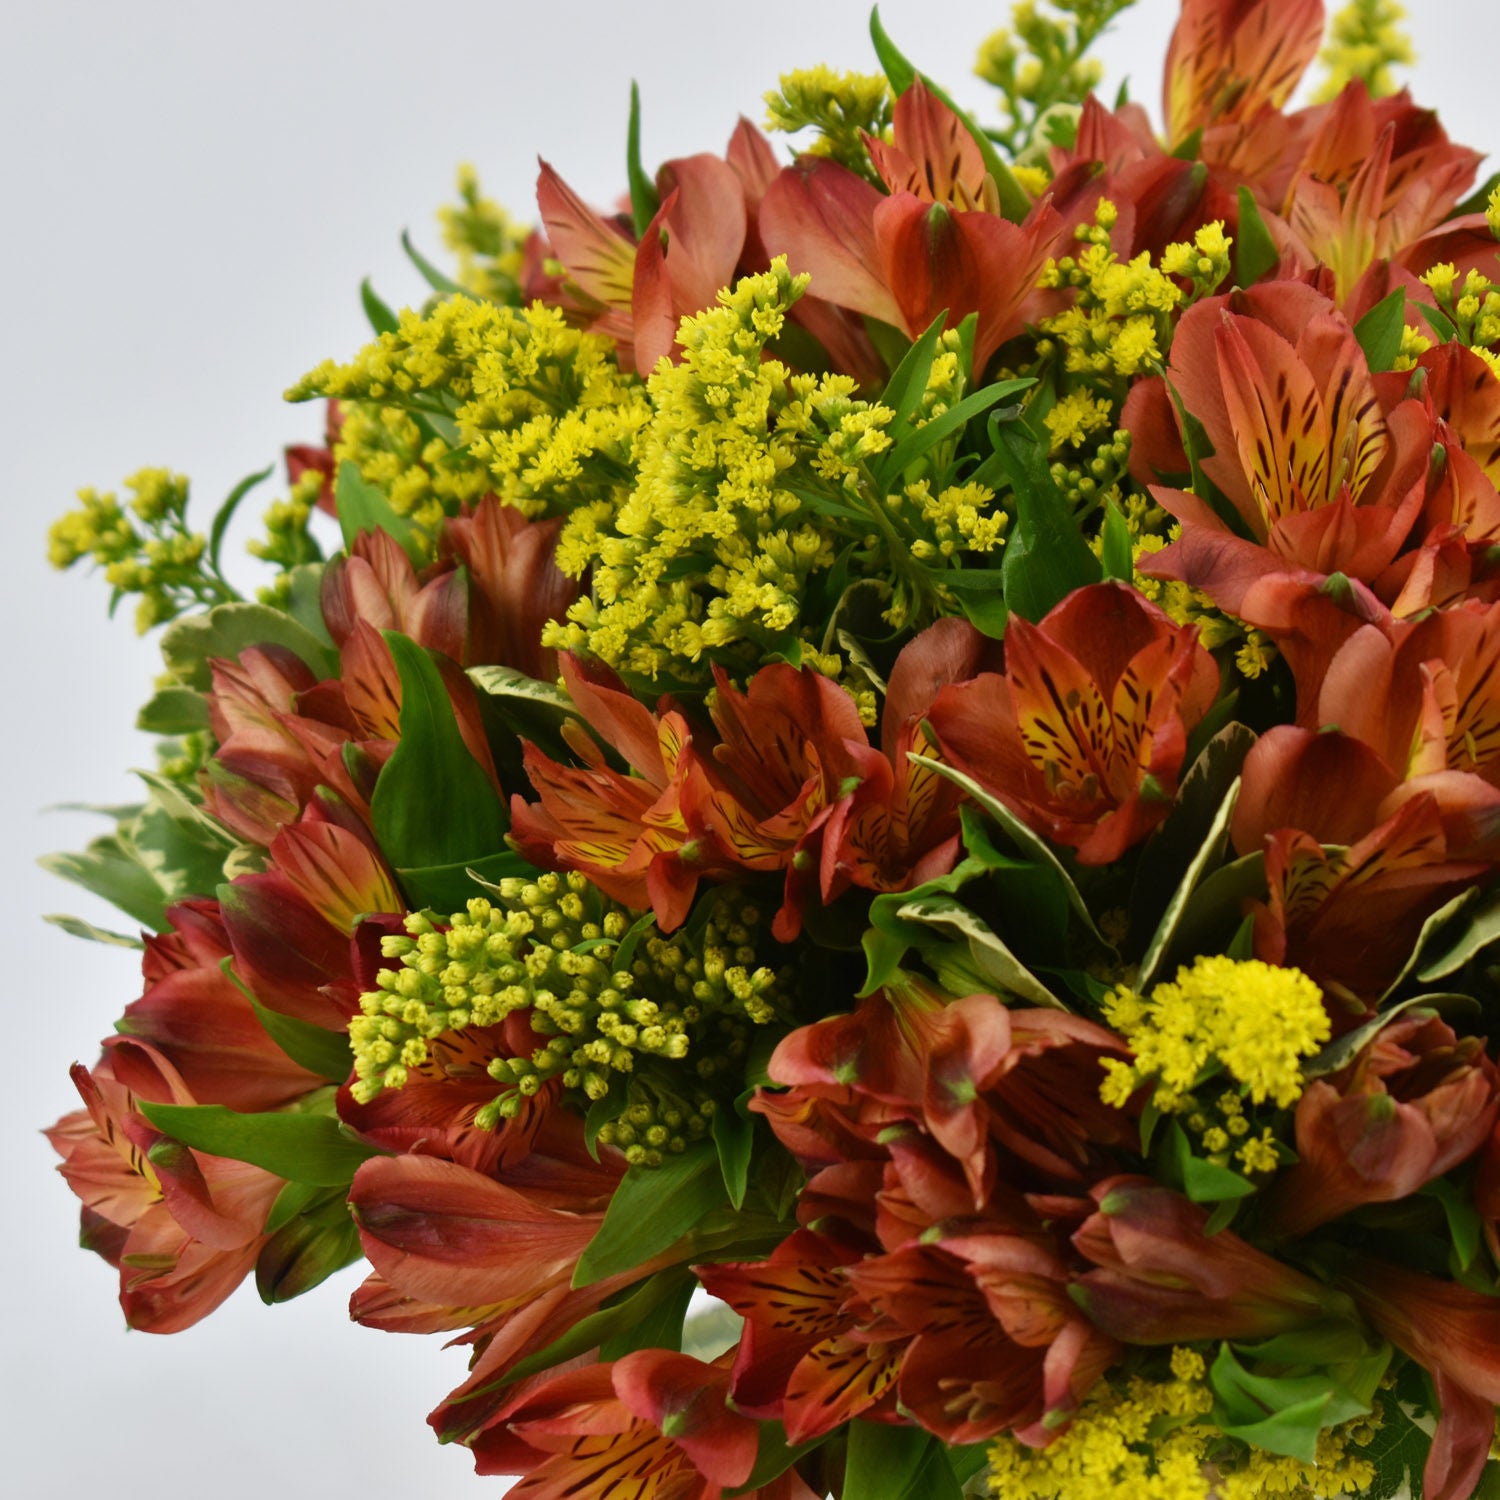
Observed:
{"x":660,"y":1326}
{"x":315,"y":1048}
{"x":652,"y":1209}
{"x":382,"y":319}
{"x":430,"y":273}
{"x":1046,"y":557}
{"x":734,"y":1139}
{"x":108,"y":870}
{"x":362,"y":506}
{"x":306,"y":1250}
{"x":77,"y":927}
{"x":1255,"y":252}
{"x":903,"y":391}
{"x":921,"y":440}
{"x":1209,"y":855}
{"x":449,"y":888}
{"x":300,"y":1147}
{"x":644,"y":199}
{"x":884,"y":1460}
{"x":174,"y":710}
{"x":1116,"y":552}
{"x":1202,"y":1181}
{"x":433,"y":804}
{"x":226,"y":511}
{"x":1379,"y":331}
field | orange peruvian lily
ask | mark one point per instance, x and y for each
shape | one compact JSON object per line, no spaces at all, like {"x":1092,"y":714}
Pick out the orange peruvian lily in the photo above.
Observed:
{"x":1318,"y":476}
{"x":1085,"y":733}
{"x":183,"y":1228}
{"x":641,"y":838}
{"x":1233,"y":63}
{"x":1376,"y":176}
{"x":934,"y":242}
{"x":638,"y":293}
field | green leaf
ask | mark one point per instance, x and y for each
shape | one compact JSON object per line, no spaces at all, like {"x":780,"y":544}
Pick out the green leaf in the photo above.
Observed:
{"x":921,"y":440}
{"x":1029,"y":844}
{"x":987,"y":613}
{"x":1379,"y":331}
{"x":773,"y":1458}
{"x":1465,"y":1227}
{"x":1116,"y":553}
{"x":884,"y":1461}
{"x":304,"y":602}
{"x":174,"y":710}
{"x":433,"y":803}
{"x":1292,"y":1431}
{"x":1014,"y":204}
{"x":1255,"y":252}
{"x":382,"y":319}
{"x":644,"y":199}
{"x":652,"y":1209}
{"x":290,"y":1202}
{"x":1046,"y":557}
{"x":1478,"y":932}
{"x":362,"y":506}
{"x":734,"y":1138}
{"x":659,"y":1326}
{"x":77,"y":927}
{"x":315,"y":1048}
{"x":225,"y":512}
{"x":449,"y":888}
{"x":1438,"y":321}
{"x":307,"y":1250}
{"x":903,"y":391}
{"x":300,"y":1147}
{"x":993,"y":959}
{"x":227,"y":630}
{"x":1210,"y":853}
{"x":430,"y":273}
{"x":1202,"y":1181}
{"x":108,"y":870}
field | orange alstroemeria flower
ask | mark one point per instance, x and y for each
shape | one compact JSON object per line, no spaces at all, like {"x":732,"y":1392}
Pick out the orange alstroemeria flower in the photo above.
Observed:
{"x":1084,"y":734}
{"x":183,"y":1228}
{"x":934,"y":241}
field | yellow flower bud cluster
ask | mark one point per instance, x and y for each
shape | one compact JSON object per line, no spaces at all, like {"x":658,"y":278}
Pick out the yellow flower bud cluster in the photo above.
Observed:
{"x":287,"y":542}
{"x":753,"y":483}
{"x":556,"y":948}
{"x":161,"y":560}
{"x":1252,"y":1020}
{"x":1119,"y":324}
{"x":487,"y":242}
{"x":1365,"y":42}
{"x":472,"y":397}
{"x":1473,"y":307}
{"x":1040,"y":60}
{"x":838,"y":106}
{"x":1150,"y":1440}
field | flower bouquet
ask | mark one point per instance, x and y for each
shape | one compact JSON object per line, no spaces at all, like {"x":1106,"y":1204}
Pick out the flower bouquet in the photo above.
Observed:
{"x":870,"y":866}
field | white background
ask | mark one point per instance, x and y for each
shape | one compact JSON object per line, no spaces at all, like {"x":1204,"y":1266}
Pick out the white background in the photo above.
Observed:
{"x":189,"y":197}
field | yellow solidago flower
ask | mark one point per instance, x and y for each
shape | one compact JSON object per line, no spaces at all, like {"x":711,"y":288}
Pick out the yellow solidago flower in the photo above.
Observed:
{"x":488,"y":243}
{"x":1252,"y":1019}
{"x":1365,"y":41}
{"x":1140,"y":1439}
{"x":472,"y":398}
{"x":839,"y":106}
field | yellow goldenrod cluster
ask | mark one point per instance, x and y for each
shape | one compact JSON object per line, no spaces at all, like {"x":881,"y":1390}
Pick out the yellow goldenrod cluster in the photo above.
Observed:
{"x":1492,"y":211}
{"x":1140,"y":1439}
{"x":1039,"y":61}
{"x":1365,"y":42}
{"x":162,"y":562}
{"x":1119,"y":323}
{"x":487,"y":242}
{"x":839,"y":106}
{"x":1472,"y":306}
{"x":1252,"y":1019}
{"x":287,"y":542}
{"x":550,"y":947}
{"x":472,"y":397}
